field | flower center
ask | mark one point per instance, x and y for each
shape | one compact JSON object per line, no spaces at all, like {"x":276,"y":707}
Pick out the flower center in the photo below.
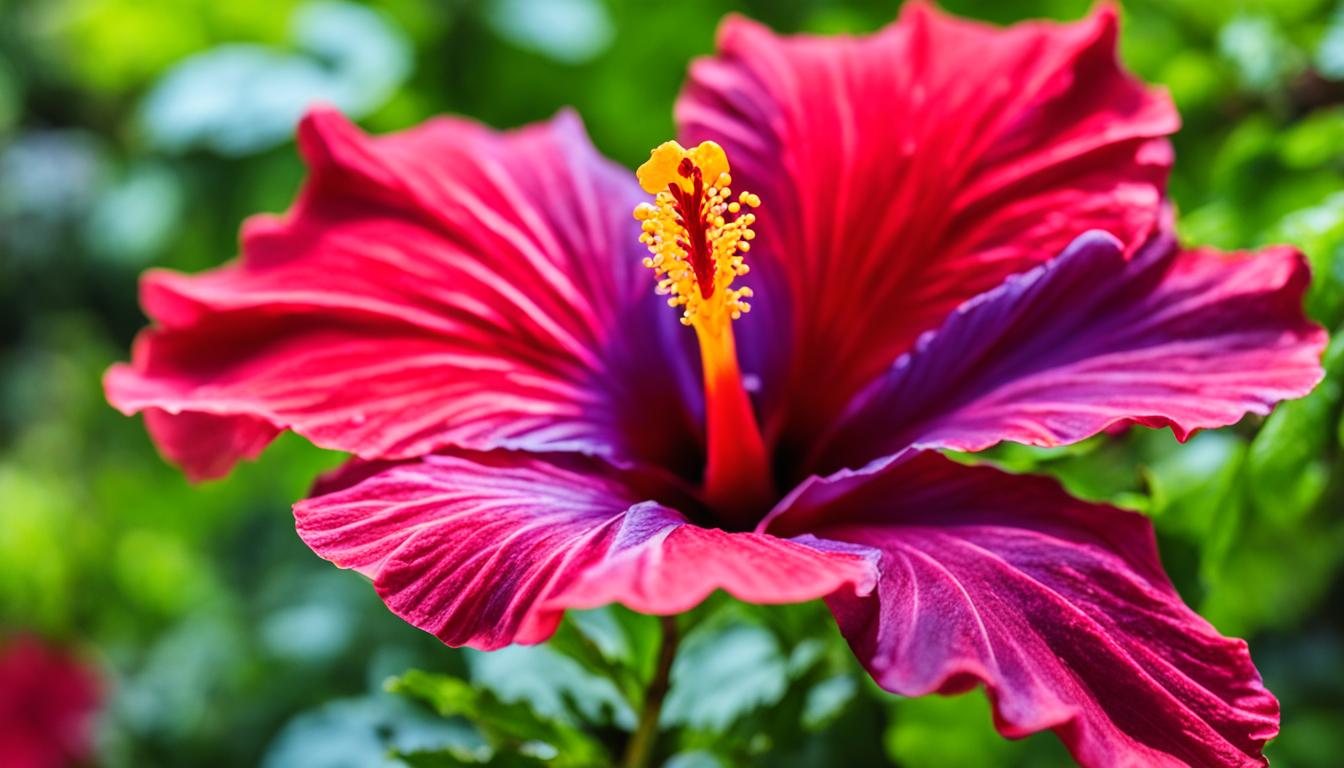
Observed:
{"x":697,"y":236}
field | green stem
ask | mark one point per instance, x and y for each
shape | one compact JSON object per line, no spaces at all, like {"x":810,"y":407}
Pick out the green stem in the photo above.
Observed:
{"x":640,"y":747}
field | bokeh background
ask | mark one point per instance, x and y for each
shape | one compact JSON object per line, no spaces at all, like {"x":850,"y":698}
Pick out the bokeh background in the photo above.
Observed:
{"x":139,"y":133}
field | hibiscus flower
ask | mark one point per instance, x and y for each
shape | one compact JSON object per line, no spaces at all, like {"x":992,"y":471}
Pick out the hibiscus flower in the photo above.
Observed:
{"x":48,"y":700}
{"x":954,"y":235}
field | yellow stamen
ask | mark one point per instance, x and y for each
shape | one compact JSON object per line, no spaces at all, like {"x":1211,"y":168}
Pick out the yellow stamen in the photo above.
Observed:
{"x":695,"y":231}
{"x":697,"y":234}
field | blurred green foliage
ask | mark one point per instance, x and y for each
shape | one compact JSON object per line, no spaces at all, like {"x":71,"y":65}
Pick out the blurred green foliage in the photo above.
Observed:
{"x":141,"y":132}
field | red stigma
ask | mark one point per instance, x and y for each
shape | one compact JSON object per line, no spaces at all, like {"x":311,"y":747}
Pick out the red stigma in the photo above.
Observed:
{"x":698,"y":250}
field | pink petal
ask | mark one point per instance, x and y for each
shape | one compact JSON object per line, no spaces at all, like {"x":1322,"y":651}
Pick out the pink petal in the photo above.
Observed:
{"x":905,"y":172}
{"x":1186,"y":339}
{"x":448,"y":285}
{"x":1058,"y":607}
{"x":490,"y":549}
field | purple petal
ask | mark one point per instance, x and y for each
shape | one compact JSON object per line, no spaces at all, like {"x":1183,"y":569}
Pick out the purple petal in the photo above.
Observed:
{"x":1060,"y":608}
{"x":1186,"y":339}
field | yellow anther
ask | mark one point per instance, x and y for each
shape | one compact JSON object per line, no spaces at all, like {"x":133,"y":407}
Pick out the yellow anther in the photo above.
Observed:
{"x":664,"y":163}
{"x":695,"y":234}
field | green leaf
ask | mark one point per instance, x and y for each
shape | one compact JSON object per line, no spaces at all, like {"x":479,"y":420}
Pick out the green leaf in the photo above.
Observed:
{"x":1275,"y":576}
{"x":827,"y":700}
{"x":1330,"y":51}
{"x":722,"y":672}
{"x":696,"y":759}
{"x":1264,"y":56}
{"x":360,"y":732}
{"x":1314,"y":140}
{"x":508,"y":726}
{"x":938,"y":731}
{"x":1287,"y":471}
{"x":350,"y":56}
{"x":460,"y":759}
{"x":1319,"y":231}
{"x":1339,"y":431}
{"x":611,"y":647}
{"x":1289,"y":544}
{"x":1190,"y":484}
{"x":1194,"y":78}
{"x":553,"y":685}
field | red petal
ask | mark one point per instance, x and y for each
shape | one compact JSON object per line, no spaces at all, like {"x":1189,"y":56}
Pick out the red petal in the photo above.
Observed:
{"x":1059,"y":607}
{"x":908,"y":171}
{"x":490,"y":549}
{"x":206,"y":446}
{"x":1190,"y":340}
{"x":444,"y":286}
